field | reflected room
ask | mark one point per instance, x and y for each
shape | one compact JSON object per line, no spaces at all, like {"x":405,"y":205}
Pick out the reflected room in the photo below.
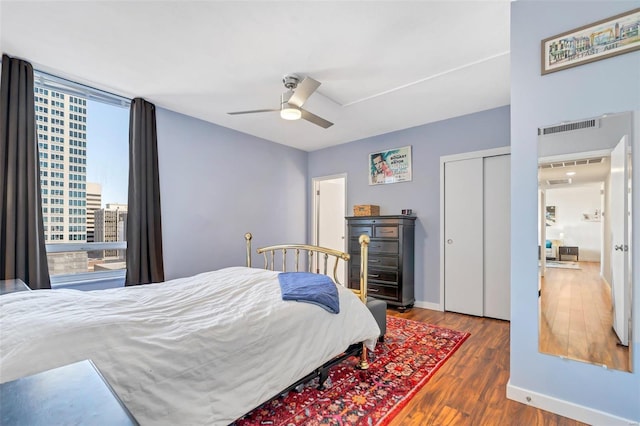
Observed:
{"x":584,"y":230}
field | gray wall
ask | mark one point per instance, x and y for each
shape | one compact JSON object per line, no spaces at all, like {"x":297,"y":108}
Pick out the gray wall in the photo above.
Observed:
{"x":215,"y":185}
{"x":610,"y":85}
{"x":473,"y":132}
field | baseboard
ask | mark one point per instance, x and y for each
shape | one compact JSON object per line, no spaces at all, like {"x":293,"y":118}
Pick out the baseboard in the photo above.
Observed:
{"x":565,"y":408}
{"x":427,"y":305}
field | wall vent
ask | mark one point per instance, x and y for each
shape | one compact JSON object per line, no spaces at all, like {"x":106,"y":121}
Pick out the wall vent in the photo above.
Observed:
{"x":551,"y":182}
{"x":572,"y":163}
{"x":569,"y":127}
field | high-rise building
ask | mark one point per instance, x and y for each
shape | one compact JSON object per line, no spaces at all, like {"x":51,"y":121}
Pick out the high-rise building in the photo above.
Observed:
{"x":62,"y":141}
{"x":94,"y":202}
{"x":111,"y":226}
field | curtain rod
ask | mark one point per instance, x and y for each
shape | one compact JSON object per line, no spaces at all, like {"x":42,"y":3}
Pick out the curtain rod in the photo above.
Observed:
{"x":54,"y":81}
{"x":95,"y":93}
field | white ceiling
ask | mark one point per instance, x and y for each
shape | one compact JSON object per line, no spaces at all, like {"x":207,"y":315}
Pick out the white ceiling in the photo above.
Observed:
{"x":383,"y":65}
{"x":596,"y":172}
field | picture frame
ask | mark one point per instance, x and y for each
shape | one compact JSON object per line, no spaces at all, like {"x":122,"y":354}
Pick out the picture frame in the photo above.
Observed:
{"x":390,"y":166}
{"x":550,"y":215}
{"x":603,"y":39}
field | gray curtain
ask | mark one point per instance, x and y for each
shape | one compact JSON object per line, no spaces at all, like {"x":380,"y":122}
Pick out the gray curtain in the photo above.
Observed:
{"x":22,"y":250}
{"x":144,"y":228}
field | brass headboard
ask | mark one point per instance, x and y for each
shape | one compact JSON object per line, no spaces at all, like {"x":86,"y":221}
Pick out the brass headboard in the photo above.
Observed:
{"x":269,"y":263}
{"x":322,"y":255}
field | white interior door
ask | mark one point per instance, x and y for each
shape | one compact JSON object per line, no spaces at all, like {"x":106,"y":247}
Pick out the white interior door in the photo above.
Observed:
{"x":497,"y":235}
{"x":330,"y":196}
{"x":619,"y":215}
{"x":463,"y":236}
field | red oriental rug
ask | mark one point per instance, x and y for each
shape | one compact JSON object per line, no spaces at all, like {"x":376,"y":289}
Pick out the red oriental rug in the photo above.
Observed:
{"x":411,"y":353}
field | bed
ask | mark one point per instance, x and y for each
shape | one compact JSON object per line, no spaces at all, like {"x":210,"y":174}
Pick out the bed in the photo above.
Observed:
{"x":204,"y":349}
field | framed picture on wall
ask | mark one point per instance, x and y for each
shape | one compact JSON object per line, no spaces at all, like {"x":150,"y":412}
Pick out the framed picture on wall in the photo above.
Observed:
{"x":550,"y":216}
{"x":390,"y":166}
{"x":600,"y":40}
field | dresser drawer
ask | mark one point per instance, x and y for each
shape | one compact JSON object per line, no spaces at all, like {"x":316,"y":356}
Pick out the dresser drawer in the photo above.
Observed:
{"x":389,"y":276}
{"x":375,"y":246}
{"x":390,"y":231}
{"x":374,"y":261}
{"x":382,"y":291}
{"x":385,"y":247}
{"x":356,"y":231}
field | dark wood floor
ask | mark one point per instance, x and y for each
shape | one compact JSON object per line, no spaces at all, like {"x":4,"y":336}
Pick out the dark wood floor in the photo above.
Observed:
{"x":576,"y":317}
{"x":470,"y":388}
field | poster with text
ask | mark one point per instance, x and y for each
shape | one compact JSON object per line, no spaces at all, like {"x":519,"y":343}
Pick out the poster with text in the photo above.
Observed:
{"x":390,"y":166}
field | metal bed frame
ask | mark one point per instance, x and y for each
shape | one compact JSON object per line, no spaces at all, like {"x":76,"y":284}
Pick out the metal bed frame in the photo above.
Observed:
{"x":322,"y":257}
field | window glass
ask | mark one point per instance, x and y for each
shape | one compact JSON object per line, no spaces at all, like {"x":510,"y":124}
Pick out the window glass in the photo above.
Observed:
{"x":85,"y":140}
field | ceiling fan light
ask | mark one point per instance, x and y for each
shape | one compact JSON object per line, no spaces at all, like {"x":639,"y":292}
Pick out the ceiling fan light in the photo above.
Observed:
{"x":289,"y":112}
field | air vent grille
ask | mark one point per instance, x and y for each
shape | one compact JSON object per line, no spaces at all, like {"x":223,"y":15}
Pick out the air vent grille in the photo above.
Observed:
{"x":569,"y":127}
{"x":571,"y":163}
{"x":559,"y":181}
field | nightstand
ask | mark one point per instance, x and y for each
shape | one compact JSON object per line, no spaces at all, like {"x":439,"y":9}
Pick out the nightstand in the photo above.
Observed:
{"x":11,"y":286}
{"x":567,"y":251}
{"x":74,"y":394}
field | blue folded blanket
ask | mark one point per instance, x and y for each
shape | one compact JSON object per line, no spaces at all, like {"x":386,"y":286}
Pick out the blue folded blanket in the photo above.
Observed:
{"x":310,"y":288}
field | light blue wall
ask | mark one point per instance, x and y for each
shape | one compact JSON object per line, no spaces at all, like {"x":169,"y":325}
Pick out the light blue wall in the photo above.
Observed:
{"x":215,"y":185}
{"x":473,"y":132}
{"x":610,"y":85}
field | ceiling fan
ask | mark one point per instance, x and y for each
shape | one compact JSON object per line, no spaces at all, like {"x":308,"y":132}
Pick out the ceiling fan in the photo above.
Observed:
{"x":292,"y":100}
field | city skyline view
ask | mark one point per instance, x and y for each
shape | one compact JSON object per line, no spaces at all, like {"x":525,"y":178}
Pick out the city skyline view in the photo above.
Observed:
{"x":83,"y":149}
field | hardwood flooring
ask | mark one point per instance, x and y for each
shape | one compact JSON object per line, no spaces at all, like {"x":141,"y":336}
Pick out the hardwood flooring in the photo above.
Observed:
{"x":470,"y":388}
{"x":576,"y":317}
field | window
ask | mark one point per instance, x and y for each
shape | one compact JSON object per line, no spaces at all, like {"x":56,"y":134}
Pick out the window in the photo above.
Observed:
{"x":86,"y":224}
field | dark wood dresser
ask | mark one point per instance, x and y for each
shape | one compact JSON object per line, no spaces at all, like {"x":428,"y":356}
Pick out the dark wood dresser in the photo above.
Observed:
{"x":391,"y":257}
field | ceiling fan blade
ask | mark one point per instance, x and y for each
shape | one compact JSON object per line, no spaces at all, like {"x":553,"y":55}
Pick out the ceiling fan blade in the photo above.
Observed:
{"x":303,"y":91}
{"x":315,"y":119}
{"x":252,"y":111}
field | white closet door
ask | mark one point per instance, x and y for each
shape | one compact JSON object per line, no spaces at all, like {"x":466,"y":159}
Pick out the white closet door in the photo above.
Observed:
{"x":497,"y":225}
{"x":463,"y":239}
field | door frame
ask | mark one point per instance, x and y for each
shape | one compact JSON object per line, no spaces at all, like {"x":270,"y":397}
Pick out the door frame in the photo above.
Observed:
{"x":493,"y":152}
{"x":315,"y":206}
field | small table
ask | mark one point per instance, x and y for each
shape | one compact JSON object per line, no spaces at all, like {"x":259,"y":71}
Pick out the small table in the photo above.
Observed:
{"x":74,"y":394}
{"x":11,"y":286}
{"x":567,"y":251}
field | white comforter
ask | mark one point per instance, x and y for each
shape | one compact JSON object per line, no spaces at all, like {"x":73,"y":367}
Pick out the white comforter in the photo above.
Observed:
{"x":198,"y":350}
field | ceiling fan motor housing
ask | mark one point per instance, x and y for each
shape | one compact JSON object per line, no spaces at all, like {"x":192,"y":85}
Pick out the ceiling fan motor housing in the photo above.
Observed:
{"x":291,"y":81}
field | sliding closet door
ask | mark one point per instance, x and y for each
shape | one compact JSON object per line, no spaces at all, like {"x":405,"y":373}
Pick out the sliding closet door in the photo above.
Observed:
{"x":463,"y":237}
{"x":497,"y":225}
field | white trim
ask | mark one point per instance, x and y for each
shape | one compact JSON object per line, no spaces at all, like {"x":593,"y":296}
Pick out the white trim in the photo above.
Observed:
{"x":314,"y":220}
{"x":493,"y":152}
{"x":445,"y":159}
{"x":427,"y":305}
{"x":565,"y":408}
